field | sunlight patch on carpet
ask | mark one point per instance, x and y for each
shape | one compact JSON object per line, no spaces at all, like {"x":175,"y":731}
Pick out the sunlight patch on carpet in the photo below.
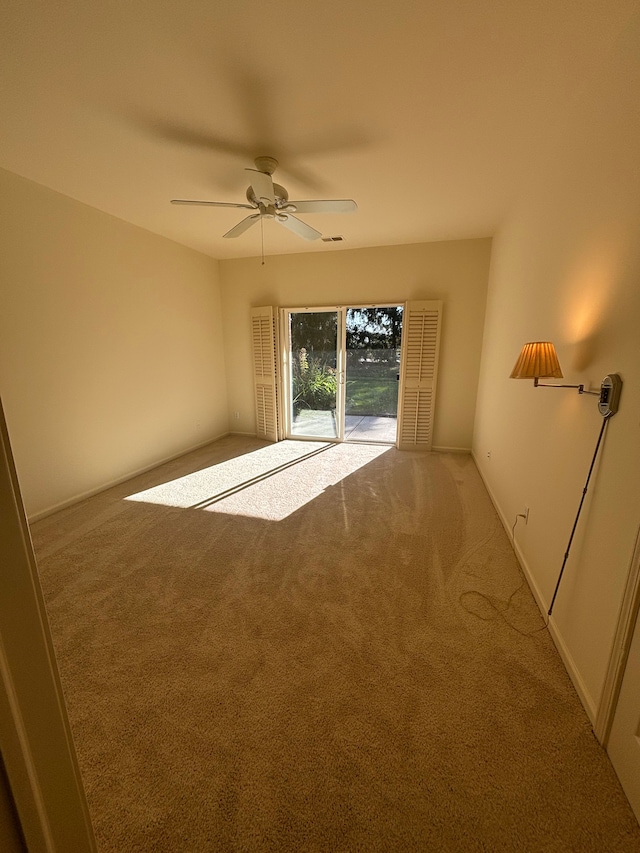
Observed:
{"x":254,"y":484}
{"x":276,"y":497}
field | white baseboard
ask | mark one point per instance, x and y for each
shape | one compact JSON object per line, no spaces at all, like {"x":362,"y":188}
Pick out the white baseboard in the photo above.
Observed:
{"x":565,"y":655}
{"x":37,"y":516}
{"x":574,"y":674}
{"x":451,"y":449}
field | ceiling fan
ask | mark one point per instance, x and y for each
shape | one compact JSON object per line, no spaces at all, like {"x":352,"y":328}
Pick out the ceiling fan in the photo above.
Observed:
{"x":269,"y":200}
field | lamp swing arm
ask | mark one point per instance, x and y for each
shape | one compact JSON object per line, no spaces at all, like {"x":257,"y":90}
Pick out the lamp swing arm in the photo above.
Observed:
{"x":581,"y":388}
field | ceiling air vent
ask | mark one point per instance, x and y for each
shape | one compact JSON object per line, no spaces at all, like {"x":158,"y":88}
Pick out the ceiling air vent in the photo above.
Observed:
{"x":332,"y":239}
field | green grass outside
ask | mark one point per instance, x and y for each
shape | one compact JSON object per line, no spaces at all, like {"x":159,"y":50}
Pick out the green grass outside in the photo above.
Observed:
{"x":372,"y":396}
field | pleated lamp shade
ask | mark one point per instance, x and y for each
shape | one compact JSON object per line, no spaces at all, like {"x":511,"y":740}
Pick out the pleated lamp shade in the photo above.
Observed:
{"x":538,"y":358}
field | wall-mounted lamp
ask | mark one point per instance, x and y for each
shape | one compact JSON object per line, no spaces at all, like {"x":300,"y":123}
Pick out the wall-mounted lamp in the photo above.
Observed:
{"x":539,"y":358}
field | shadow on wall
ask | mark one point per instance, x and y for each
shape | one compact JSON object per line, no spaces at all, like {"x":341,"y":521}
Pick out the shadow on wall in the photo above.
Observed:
{"x":584,"y":353}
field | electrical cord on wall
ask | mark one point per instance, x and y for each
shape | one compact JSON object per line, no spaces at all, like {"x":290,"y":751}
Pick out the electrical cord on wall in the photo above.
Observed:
{"x":605,"y":421}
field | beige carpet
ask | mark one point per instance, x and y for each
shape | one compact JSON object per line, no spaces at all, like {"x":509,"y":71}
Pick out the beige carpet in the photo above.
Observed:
{"x":341,"y":656}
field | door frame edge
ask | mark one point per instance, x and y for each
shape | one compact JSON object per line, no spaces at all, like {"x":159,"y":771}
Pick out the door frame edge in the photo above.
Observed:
{"x":623,"y":636}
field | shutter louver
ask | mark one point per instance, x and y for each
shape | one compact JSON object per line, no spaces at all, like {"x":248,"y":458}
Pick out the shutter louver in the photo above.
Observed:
{"x":263,"y":334}
{"x":420,"y":346}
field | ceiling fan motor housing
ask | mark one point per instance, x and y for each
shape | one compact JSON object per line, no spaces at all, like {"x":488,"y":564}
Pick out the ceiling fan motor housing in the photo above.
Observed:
{"x":268,"y":165}
{"x":280,"y":194}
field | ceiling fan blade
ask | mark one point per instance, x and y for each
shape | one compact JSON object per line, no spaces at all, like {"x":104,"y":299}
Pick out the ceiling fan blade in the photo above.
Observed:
{"x":298,"y":227}
{"x":336,"y":205}
{"x":262,"y":186}
{"x":242,"y":226}
{"x":211,"y":203}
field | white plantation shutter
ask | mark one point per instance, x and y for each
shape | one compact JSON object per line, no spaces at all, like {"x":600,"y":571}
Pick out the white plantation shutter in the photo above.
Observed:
{"x":420,"y":346}
{"x":264,"y":337}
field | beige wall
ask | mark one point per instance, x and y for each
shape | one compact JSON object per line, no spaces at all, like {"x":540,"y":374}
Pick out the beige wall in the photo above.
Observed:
{"x":111,"y":353}
{"x":566,"y":267}
{"x":455,"y":272}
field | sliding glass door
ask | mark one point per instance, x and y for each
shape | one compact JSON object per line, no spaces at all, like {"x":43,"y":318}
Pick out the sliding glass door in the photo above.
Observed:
{"x":314,"y":373}
{"x":372,"y":372}
{"x":341,"y":372}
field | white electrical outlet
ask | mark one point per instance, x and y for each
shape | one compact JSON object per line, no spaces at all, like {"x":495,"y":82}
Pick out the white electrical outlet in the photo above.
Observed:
{"x":488,"y":454}
{"x":236,"y":415}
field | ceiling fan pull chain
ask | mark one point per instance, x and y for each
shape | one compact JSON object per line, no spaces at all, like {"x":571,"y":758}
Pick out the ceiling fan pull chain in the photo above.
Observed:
{"x":262,"y":237}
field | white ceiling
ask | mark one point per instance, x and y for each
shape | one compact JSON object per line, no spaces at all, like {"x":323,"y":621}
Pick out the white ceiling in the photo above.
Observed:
{"x":429,"y":113}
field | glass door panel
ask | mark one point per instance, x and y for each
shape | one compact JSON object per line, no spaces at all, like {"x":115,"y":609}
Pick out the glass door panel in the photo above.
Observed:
{"x":314,"y":371}
{"x":372,"y":365}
